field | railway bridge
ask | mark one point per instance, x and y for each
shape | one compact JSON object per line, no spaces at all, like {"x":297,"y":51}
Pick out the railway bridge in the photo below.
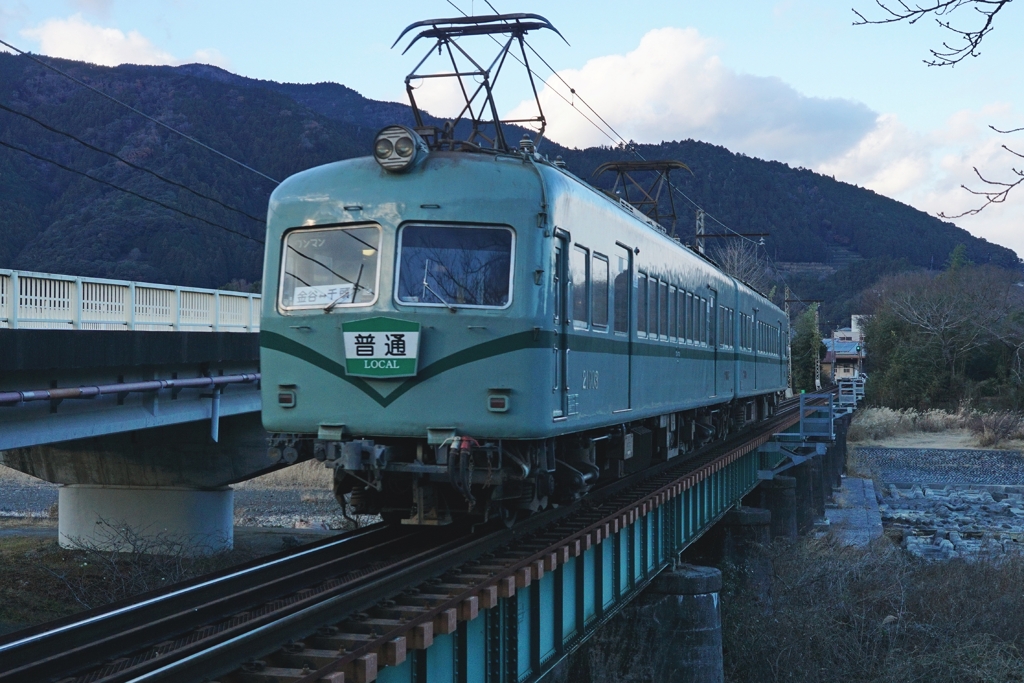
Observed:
{"x":142,"y":400}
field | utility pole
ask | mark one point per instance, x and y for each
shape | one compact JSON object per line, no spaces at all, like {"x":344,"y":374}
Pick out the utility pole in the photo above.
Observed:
{"x":789,"y":353}
{"x":700,"y":232}
{"x":817,"y":354}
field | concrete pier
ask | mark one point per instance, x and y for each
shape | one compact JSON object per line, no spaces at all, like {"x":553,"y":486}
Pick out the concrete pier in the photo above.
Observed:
{"x":821,"y":489}
{"x":804,"y":499}
{"x":685,"y":604}
{"x":746,"y":528}
{"x":778,"y":496}
{"x":148,"y":520}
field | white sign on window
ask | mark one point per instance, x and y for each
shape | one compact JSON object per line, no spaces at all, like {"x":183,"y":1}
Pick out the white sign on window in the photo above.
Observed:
{"x":323,"y":295}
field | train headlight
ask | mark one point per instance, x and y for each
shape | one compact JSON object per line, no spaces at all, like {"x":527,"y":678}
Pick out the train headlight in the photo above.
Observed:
{"x":383,"y":149}
{"x":397,"y":148}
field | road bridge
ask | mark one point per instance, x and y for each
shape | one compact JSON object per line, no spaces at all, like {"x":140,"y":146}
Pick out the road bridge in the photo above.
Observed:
{"x":142,"y":400}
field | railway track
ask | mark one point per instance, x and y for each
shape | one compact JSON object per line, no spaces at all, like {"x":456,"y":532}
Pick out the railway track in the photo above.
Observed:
{"x":346,"y":605}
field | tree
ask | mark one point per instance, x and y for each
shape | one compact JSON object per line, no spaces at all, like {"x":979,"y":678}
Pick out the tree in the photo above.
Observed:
{"x":739,"y":259}
{"x":938,"y":338}
{"x":968,"y":39}
{"x":942,"y":10}
{"x":806,"y":349}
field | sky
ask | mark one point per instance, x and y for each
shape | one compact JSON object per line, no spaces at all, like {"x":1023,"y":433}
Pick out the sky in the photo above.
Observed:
{"x":788,"y":80}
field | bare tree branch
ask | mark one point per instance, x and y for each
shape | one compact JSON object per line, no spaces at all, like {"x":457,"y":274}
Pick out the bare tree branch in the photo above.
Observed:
{"x":996,"y":195}
{"x":970,"y":39}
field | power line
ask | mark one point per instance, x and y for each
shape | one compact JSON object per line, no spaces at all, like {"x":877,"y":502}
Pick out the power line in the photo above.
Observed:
{"x":140,"y":113}
{"x":127,"y":191}
{"x":617,"y":138}
{"x":521,"y":63}
{"x":128,"y":163}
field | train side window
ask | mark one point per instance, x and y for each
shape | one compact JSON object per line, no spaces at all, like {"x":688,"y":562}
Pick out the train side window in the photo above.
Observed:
{"x":722,"y":335}
{"x":641,"y":303}
{"x":703,"y":321}
{"x":652,"y":307}
{"x":621,"y":299}
{"x":689,"y":317}
{"x":681,"y":315}
{"x":599,"y":291}
{"x":579,"y":262}
{"x":663,"y":308}
{"x":673,"y":294}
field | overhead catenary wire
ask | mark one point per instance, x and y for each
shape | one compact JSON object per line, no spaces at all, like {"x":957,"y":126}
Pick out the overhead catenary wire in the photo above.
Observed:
{"x":140,"y":113}
{"x":128,"y":163}
{"x":127,"y":191}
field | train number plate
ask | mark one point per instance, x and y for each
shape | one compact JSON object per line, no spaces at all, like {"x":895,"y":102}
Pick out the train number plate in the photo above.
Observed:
{"x":381,"y":347}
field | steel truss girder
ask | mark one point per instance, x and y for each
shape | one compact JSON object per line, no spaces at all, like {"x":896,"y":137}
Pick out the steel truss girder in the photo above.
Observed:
{"x":555,"y":609}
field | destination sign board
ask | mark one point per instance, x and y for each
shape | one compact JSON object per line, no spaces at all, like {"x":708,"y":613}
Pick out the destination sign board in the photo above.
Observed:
{"x":381,"y":347}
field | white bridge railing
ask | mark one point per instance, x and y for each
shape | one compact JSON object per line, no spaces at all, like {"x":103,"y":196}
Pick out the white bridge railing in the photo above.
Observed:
{"x":62,"y":302}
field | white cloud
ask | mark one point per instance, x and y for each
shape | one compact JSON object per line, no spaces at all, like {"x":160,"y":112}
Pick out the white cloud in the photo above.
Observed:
{"x":76,"y":38}
{"x":673,"y":87}
{"x":927,"y":169}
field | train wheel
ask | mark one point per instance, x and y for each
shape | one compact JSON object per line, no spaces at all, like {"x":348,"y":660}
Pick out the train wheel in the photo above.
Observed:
{"x":508,"y":515}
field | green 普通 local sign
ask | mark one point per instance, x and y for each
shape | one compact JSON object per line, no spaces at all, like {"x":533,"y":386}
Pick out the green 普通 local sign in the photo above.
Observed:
{"x":381,"y":347}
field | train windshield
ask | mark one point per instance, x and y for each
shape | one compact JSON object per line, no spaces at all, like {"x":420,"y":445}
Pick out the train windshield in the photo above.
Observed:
{"x":455,"y":266}
{"x":330,"y":267}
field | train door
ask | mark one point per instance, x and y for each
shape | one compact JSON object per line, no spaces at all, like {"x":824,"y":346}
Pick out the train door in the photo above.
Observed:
{"x":623,"y":329}
{"x":713,"y":337}
{"x":560,"y":289}
{"x":754,"y":346}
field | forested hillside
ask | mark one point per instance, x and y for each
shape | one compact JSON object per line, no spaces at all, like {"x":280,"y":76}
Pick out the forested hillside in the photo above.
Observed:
{"x":53,"y":220}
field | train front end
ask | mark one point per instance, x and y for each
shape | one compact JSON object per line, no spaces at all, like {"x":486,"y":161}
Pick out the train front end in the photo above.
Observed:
{"x":400,"y":332}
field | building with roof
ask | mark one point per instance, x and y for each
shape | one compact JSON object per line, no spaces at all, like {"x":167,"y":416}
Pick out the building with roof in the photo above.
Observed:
{"x":845,"y":351}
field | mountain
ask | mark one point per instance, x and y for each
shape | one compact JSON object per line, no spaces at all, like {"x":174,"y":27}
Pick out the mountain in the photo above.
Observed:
{"x":53,"y":220}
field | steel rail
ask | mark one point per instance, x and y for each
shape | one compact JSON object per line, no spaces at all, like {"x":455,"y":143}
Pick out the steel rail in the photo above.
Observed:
{"x":139,"y":623}
{"x":108,"y":631}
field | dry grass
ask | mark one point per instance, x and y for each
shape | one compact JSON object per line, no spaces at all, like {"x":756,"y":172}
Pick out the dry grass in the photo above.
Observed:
{"x":994,"y":428}
{"x":875,"y":424}
{"x":310,"y":474}
{"x":825,"y":612}
{"x":986,"y":429}
{"x":40,"y":581}
{"x":839,"y":613}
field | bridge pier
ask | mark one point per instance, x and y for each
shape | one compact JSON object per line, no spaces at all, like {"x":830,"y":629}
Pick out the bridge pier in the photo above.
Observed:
{"x":804,"y":499}
{"x":161,"y":490}
{"x":684,"y":603}
{"x":147,"y":520}
{"x":778,"y":496}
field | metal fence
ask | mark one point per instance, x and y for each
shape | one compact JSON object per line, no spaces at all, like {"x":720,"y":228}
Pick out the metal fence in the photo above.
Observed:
{"x":62,"y":302}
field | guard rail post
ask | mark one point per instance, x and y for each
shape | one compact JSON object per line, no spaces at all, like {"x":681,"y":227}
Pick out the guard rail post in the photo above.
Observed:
{"x":131,"y":306}
{"x":15,"y":296}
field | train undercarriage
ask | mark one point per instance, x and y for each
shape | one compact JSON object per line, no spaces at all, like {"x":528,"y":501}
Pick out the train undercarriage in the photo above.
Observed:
{"x":458,"y":478}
